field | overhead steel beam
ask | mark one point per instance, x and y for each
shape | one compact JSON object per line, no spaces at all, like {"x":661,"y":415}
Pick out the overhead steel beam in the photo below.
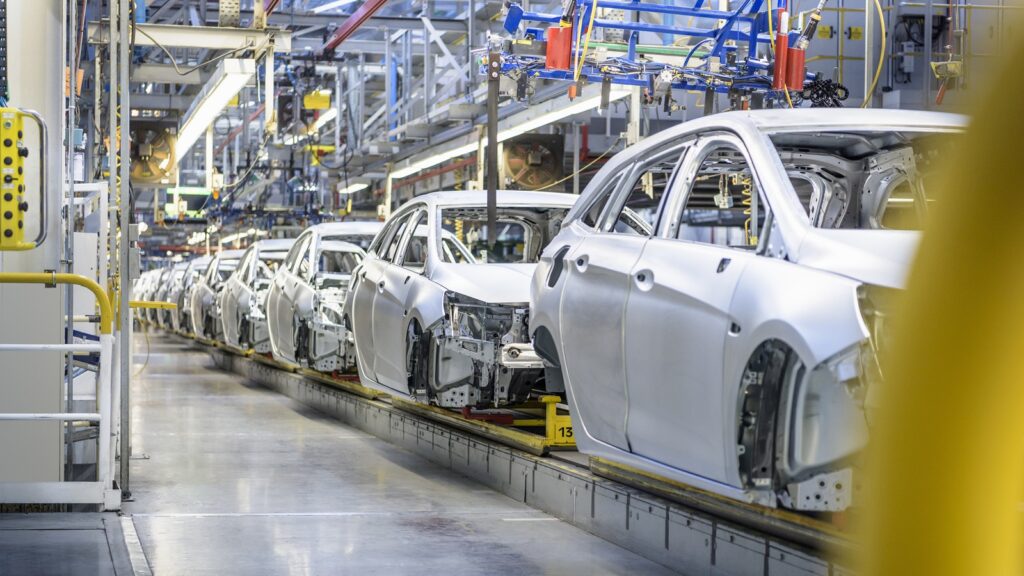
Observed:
{"x":161,"y":101}
{"x":208,"y":37}
{"x":352,"y":23}
{"x":392,"y":22}
{"x":354,"y":45}
{"x":166,"y":74}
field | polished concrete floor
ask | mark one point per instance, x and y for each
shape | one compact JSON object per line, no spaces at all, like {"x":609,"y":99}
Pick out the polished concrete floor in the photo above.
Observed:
{"x":230,"y":478}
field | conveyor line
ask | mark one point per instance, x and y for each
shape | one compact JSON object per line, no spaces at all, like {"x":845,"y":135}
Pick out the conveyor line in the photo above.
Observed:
{"x":692,"y":533}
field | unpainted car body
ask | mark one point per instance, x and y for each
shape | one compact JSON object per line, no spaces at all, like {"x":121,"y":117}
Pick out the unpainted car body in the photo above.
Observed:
{"x":205,"y":316}
{"x":143,"y":288}
{"x":439,"y":316}
{"x":181,"y":295}
{"x":244,"y":297}
{"x":714,"y":303}
{"x":307,"y":294}
{"x":167,"y":292}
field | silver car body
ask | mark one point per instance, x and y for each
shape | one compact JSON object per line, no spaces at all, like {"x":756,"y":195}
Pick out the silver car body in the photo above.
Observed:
{"x":666,"y":341}
{"x":410,"y":320}
{"x":152,"y":294}
{"x":244,"y":297}
{"x":205,"y":316}
{"x":181,"y":295}
{"x":167,"y":292}
{"x":305,"y":299}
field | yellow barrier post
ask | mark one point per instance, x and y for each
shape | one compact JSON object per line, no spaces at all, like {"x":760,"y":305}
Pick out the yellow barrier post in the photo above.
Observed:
{"x":949,"y":476}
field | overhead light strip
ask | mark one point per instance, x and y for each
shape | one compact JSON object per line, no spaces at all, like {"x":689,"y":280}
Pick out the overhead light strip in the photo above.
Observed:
{"x":231,"y":76}
{"x":517,"y":129}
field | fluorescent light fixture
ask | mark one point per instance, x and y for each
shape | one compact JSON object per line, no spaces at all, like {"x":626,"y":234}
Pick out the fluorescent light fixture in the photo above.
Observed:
{"x":243,"y":235}
{"x":332,"y":5}
{"x":433,"y":161}
{"x":352,"y":188}
{"x":578,"y":106}
{"x":231,"y":76}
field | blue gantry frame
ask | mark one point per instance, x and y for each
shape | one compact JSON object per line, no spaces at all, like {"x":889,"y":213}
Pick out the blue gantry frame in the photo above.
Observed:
{"x":746,"y":25}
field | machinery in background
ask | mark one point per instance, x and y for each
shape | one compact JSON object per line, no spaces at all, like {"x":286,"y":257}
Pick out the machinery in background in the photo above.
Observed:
{"x":534,"y":162}
{"x":737,"y":52}
{"x":152,"y":156}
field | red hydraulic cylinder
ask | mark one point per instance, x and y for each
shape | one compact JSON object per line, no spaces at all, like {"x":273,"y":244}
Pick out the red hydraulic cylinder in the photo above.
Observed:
{"x":559,"y":48}
{"x":781,"y":52}
{"x":797,"y":66}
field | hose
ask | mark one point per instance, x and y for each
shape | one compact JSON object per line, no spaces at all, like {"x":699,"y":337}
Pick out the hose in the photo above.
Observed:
{"x":881,"y":56}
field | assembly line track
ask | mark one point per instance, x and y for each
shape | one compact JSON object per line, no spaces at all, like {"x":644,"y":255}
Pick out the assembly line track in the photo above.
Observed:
{"x":690,"y":531}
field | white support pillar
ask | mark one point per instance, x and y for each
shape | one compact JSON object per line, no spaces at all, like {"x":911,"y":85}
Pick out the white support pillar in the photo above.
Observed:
{"x":209,"y":157}
{"x":269,"y":98}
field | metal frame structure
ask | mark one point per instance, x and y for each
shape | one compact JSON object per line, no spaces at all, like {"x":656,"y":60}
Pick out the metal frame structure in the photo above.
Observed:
{"x":101,"y":491}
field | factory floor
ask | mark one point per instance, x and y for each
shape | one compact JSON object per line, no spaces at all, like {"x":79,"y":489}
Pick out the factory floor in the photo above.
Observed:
{"x":231,"y":478}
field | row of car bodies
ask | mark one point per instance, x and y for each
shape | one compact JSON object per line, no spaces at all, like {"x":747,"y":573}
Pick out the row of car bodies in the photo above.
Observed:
{"x":712,"y":307}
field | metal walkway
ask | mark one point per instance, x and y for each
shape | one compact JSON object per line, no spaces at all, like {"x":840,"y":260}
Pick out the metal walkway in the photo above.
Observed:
{"x":232,"y":478}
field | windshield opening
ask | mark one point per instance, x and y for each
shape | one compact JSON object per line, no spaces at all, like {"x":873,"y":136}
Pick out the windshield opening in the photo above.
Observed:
{"x":269,"y":262}
{"x":521,"y":234}
{"x":863,"y":180}
{"x":361,"y":240}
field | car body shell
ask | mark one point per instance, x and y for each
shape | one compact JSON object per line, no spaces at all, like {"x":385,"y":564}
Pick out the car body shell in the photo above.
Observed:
{"x":205,"y":317}
{"x":182,"y":294}
{"x":652,"y":335}
{"x":242,"y":301}
{"x":297,"y":335}
{"x":386,"y":299}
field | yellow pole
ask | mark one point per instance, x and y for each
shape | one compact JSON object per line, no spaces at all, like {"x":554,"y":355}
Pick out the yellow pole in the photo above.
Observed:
{"x":949,"y":451}
{"x":53,"y":278}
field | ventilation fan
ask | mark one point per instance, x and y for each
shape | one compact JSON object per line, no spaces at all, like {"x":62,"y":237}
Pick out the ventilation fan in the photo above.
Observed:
{"x":152,"y":155}
{"x":534,"y":161}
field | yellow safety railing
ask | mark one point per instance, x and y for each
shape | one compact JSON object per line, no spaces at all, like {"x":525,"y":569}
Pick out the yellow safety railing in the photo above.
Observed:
{"x":54,"y":278}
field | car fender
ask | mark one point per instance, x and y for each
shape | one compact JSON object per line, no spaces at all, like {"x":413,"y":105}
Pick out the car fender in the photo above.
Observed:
{"x":814,"y":313}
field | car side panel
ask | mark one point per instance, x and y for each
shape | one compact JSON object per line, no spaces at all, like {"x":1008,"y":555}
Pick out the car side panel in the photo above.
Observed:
{"x":677,"y":320}
{"x":596,"y":283}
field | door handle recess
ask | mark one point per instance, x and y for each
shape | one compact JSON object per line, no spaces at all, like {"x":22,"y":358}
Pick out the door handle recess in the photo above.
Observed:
{"x":557,"y":266}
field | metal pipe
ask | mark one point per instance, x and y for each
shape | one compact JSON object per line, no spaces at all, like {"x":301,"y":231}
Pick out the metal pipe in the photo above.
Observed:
{"x":54,"y":278}
{"x":351,"y":24}
{"x":576,"y":158}
{"x":65,"y":417}
{"x":124,"y":275}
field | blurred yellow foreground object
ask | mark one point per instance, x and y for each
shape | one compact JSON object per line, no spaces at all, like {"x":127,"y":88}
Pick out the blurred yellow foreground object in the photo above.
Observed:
{"x":950,"y":446}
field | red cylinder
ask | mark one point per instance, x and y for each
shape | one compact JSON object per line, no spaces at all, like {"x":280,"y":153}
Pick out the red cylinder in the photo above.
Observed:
{"x":797,"y":68}
{"x":781,"y":59}
{"x":559,"y":48}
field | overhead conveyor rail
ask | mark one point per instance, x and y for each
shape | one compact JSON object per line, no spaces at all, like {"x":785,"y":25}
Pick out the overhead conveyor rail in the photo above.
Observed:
{"x":682,"y":537}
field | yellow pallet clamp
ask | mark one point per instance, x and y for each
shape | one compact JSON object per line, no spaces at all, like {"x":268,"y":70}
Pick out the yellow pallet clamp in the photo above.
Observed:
{"x":137,"y":304}
{"x":13,"y":205}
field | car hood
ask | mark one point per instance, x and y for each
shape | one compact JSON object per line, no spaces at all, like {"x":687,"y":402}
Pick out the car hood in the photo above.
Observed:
{"x":491,"y":283}
{"x":880,"y":257}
